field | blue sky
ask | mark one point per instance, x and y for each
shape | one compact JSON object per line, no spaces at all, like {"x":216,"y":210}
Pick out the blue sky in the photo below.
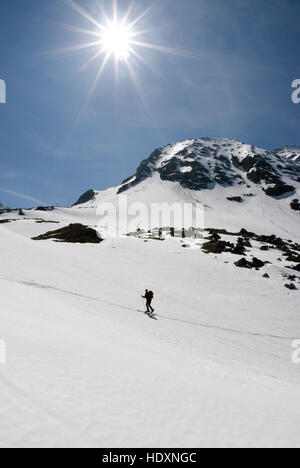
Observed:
{"x":232,"y":78}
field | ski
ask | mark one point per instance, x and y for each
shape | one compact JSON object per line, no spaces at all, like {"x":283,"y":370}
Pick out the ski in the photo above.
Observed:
{"x":148,"y":314}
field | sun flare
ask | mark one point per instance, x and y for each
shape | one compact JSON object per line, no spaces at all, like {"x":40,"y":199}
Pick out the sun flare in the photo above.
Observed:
{"x":116,"y":40}
{"x":120,"y":36}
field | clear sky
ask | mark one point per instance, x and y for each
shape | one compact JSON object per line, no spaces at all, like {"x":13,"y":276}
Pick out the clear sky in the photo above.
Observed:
{"x":229,"y":75}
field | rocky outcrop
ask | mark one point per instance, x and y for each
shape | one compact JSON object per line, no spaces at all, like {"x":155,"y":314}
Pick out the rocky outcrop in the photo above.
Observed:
{"x":86,"y":197}
{"x":74,"y":233}
{"x":279,"y":190}
{"x":236,"y":199}
{"x":290,"y":286}
{"x":216,"y":246}
{"x":144,"y":171}
{"x":44,"y":208}
{"x":204,"y":163}
{"x":295,"y":205}
{"x":255,"y":263}
{"x":196,"y":178}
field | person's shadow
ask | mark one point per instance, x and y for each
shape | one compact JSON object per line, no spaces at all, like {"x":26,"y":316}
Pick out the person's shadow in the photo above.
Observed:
{"x":149,"y":315}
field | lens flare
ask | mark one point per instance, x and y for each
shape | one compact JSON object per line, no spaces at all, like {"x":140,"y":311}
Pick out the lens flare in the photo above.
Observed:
{"x":118,"y":36}
{"x":116,"y":40}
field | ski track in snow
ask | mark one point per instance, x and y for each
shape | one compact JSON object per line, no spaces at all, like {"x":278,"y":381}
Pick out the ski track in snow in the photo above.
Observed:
{"x":34,"y":284}
{"x":83,"y":369}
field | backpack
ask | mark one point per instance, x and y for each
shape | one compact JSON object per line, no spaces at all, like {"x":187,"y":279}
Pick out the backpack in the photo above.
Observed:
{"x":150,"y":295}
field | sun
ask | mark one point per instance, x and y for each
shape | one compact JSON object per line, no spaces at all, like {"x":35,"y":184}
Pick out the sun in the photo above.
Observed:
{"x":116,"y":40}
{"x":118,"y":35}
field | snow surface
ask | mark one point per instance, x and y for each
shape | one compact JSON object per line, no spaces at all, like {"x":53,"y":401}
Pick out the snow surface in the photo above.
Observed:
{"x":290,"y":152}
{"x":86,"y":368}
{"x":258,"y":212}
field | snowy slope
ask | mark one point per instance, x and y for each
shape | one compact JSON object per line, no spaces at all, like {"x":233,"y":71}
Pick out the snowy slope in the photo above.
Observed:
{"x":86,"y":368}
{"x":259,"y":213}
{"x":210,"y":172}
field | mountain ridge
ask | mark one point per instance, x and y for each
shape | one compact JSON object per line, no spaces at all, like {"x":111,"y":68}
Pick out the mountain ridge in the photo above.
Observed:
{"x":203,"y":163}
{"x":238,"y":185}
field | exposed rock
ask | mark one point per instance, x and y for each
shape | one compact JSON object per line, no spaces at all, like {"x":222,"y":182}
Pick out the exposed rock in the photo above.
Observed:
{"x":295,"y":247}
{"x":44,"y":208}
{"x":272,"y":240}
{"x":203,"y":163}
{"x":244,"y":233}
{"x":279,"y":189}
{"x":291,"y":278}
{"x":217,"y":247}
{"x":244,"y":241}
{"x":266,"y":275}
{"x":44,"y":221}
{"x":215,"y":236}
{"x":238,"y":249}
{"x":86,"y":197}
{"x":144,"y":171}
{"x":257,"y":263}
{"x":196,"y":179}
{"x":295,"y":205}
{"x":236,"y":199}
{"x":290,"y":286}
{"x":243,"y":263}
{"x":74,"y":233}
{"x":221,"y":231}
{"x":293,"y":258}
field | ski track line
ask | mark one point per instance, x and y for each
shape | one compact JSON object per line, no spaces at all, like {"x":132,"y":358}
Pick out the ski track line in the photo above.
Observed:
{"x":34,"y":284}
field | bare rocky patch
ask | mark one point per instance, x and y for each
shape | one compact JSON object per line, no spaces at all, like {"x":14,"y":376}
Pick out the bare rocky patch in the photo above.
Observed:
{"x":74,"y":233}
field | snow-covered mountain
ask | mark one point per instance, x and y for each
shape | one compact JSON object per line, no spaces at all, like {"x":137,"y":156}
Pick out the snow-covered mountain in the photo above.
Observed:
{"x":289,"y":152}
{"x":205,"y":163}
{"x":240,"y":185}
{"x":217,"y":366}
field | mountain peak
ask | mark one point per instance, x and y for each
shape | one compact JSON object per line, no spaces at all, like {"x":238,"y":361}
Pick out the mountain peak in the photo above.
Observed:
{"x":291,"y":152}
{"x":204,"y":163}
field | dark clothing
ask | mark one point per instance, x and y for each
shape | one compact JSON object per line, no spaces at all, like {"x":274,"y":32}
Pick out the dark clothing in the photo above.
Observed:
{"x":149,"y":296}
{"x":149,"y":307}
